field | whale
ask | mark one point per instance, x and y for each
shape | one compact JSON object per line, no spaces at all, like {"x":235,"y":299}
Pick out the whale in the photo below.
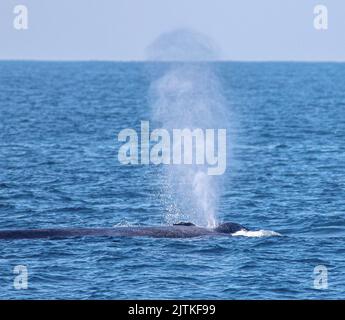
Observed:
{"x":178,"y":230}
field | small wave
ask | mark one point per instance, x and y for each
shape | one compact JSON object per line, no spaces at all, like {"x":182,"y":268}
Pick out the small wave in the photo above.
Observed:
{"x":257,"y":233}
{"x":123,"y":223}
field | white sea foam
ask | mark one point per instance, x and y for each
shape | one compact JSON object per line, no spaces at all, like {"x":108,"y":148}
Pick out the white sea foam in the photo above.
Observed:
{"x":256,"y":234}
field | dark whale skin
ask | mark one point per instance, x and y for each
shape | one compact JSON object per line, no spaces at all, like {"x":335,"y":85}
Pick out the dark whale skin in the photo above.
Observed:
{"x":176,"y":231}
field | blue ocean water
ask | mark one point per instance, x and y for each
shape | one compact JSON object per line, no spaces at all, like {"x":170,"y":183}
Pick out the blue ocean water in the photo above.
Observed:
{"x":58,"y":159}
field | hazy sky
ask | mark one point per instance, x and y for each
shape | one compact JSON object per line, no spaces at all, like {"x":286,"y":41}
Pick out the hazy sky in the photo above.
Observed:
{"x":122,"y":29}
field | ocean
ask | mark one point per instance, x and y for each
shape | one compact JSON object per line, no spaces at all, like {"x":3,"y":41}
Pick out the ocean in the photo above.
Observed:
{"x":59,"y":123}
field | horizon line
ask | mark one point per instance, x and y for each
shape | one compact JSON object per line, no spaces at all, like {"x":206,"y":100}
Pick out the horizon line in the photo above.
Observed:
{"x":174,"y":61}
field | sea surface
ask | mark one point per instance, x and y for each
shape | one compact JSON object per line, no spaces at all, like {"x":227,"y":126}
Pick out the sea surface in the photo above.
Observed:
{"x":59,"y":123}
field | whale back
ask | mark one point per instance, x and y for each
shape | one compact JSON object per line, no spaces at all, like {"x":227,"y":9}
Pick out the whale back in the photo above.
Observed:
{"x":179,"y":230}
{"x":229,"y":227}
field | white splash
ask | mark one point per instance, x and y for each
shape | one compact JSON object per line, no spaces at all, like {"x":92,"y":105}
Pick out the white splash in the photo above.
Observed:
{"x":256,"y":234}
